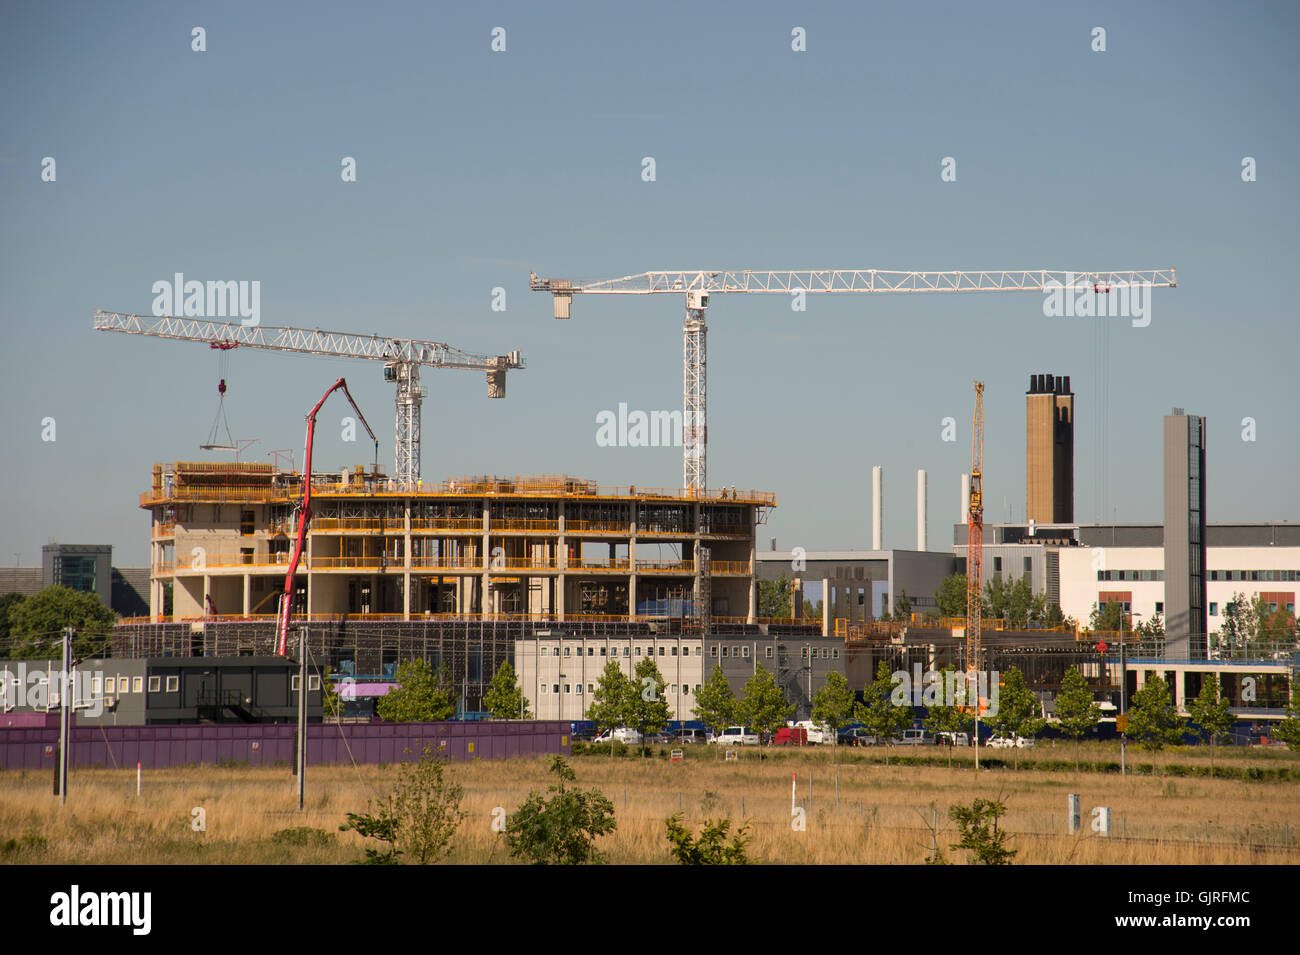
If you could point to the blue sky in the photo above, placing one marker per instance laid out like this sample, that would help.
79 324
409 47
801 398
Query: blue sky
475 166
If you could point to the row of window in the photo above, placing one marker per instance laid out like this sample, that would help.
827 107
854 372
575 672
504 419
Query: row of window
554 689
640 651
1272 606
1265 575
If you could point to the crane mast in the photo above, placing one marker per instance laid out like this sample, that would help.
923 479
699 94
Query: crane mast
975 538
697 285
402 357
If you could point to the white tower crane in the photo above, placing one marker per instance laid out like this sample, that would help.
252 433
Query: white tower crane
402 358
698 285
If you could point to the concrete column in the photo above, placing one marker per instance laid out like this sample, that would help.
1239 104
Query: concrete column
796 601
561 561
406 560
965 498
877 507
827 626
920 511
485 582
248 594
631 559
752 616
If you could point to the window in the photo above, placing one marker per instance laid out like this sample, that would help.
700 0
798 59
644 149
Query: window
591 651
97 683
173 684
744 652
673 689
313 682
724 651
566 651
591 688
543 689
602 651
579 690
686 651
568 688
293 683
625 651
137 684
697 689
835 654
675 649
1029 566
1214 608
997 565
543 651
110 686
769 653
803 652
713 651
661 651
555 688
1160 607
686 689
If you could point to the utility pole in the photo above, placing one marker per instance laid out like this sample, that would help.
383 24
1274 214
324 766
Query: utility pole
301 763
61 783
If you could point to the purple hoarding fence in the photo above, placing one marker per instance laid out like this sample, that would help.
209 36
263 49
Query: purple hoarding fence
266 744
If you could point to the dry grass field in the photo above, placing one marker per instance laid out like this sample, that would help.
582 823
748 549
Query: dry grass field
859 810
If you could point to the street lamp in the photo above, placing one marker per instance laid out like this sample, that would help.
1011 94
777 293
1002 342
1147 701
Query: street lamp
1123 691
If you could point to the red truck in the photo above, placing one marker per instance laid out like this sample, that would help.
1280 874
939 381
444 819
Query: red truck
790 736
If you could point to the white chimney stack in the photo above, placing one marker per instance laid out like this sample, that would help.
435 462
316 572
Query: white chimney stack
877 507
920 511
965 498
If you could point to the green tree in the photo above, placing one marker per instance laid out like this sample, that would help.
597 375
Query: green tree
418 818
878 712
648 708
1018 711
610 705
331 705
1288 730
1243 623
1210 711
763 706
715 704
420 695
902 607
1107 617
7 603
1010 601
1152 718
712 847
951 596
36 623
505 697
833 705
1077 712
947 715
561 830
774 597
978 825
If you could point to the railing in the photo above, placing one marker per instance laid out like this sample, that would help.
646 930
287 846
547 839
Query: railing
598 527
600 563
525 524
665 566
447 524
505 487
524 563
164 530
356 524
369 561
729 567
447 562
662 530
198 565
726 530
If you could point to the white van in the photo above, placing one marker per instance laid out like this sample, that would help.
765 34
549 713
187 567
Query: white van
736 736
817 733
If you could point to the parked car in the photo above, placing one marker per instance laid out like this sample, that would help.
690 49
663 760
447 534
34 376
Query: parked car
619 734
693 736
736 736
910 738
790 736
1000 742
857 736
953 739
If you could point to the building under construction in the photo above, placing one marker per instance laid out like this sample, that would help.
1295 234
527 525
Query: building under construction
541 549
